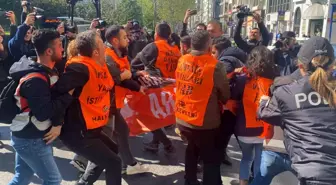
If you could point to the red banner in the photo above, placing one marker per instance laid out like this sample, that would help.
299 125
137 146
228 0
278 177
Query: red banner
154 110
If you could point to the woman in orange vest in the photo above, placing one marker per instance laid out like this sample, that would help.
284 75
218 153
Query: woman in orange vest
86 116
159 59
248 90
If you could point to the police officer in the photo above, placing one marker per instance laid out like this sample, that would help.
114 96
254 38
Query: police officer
306 111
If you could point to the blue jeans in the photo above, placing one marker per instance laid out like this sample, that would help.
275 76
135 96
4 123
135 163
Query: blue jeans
251 153
34 156
272 164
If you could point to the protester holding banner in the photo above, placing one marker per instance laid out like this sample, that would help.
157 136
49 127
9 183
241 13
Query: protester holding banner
117 61
248 90
159 59
198 110
86 116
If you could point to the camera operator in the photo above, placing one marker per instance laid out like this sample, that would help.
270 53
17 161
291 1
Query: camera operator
285 53
21 44
188 14
255 33
99 25
138 39
68 33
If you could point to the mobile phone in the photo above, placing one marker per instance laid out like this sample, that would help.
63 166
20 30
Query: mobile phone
3 13
193 12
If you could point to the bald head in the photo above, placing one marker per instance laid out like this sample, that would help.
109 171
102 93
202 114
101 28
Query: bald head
215 29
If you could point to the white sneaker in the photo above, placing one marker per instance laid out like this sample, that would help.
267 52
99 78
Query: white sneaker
138 168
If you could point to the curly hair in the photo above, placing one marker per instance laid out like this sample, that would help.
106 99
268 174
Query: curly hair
260 63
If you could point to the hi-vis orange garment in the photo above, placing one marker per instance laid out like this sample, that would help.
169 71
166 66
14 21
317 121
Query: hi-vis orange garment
254 89
95 96
167 59
120 92
194 84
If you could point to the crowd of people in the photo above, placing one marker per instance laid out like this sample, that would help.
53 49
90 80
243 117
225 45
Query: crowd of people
72 86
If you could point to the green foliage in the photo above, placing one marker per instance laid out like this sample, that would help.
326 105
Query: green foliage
127 10
173 11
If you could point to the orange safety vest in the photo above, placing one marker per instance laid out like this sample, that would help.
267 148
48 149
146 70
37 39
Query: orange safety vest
194 84
254 89
95 96
120 92
167 58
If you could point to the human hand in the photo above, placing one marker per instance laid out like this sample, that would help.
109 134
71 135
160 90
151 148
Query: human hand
186 16
141 73
257 17
30 20
263 97
24 6
54 132
125 75
239 70
94 23
142 90
11 16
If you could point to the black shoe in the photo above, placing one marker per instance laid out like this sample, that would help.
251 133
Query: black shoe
153 147
192 183
169 150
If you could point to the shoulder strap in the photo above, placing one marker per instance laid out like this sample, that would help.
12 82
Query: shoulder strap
33 75
30 76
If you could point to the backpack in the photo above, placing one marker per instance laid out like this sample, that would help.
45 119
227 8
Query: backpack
8 107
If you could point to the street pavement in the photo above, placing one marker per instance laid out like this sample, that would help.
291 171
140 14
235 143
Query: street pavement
163 170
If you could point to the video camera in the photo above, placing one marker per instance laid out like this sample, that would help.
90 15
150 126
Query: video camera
244 11
101 24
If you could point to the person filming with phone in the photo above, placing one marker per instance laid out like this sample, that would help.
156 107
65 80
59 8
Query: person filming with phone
257 36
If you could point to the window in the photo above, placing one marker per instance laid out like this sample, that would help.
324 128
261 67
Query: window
276 5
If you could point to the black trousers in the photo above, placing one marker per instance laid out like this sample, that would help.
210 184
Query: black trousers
160 137
202 144
102 153
227 127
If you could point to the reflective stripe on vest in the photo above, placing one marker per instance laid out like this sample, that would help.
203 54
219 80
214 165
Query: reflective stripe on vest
120 92
95 96
194 84
254 89
167 58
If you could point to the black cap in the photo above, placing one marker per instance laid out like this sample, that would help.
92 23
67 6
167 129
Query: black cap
288 34
313 47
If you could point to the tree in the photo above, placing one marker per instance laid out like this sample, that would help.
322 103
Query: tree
173 11
127 10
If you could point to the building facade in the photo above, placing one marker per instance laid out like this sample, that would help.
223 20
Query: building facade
278 15
304 17
313 17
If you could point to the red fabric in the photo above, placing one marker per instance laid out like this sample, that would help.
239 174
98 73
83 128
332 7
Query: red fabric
144 113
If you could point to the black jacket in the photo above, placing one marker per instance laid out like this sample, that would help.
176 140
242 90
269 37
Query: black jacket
42 103
309 128
115 72
18 47
232 58
286 61
247 46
